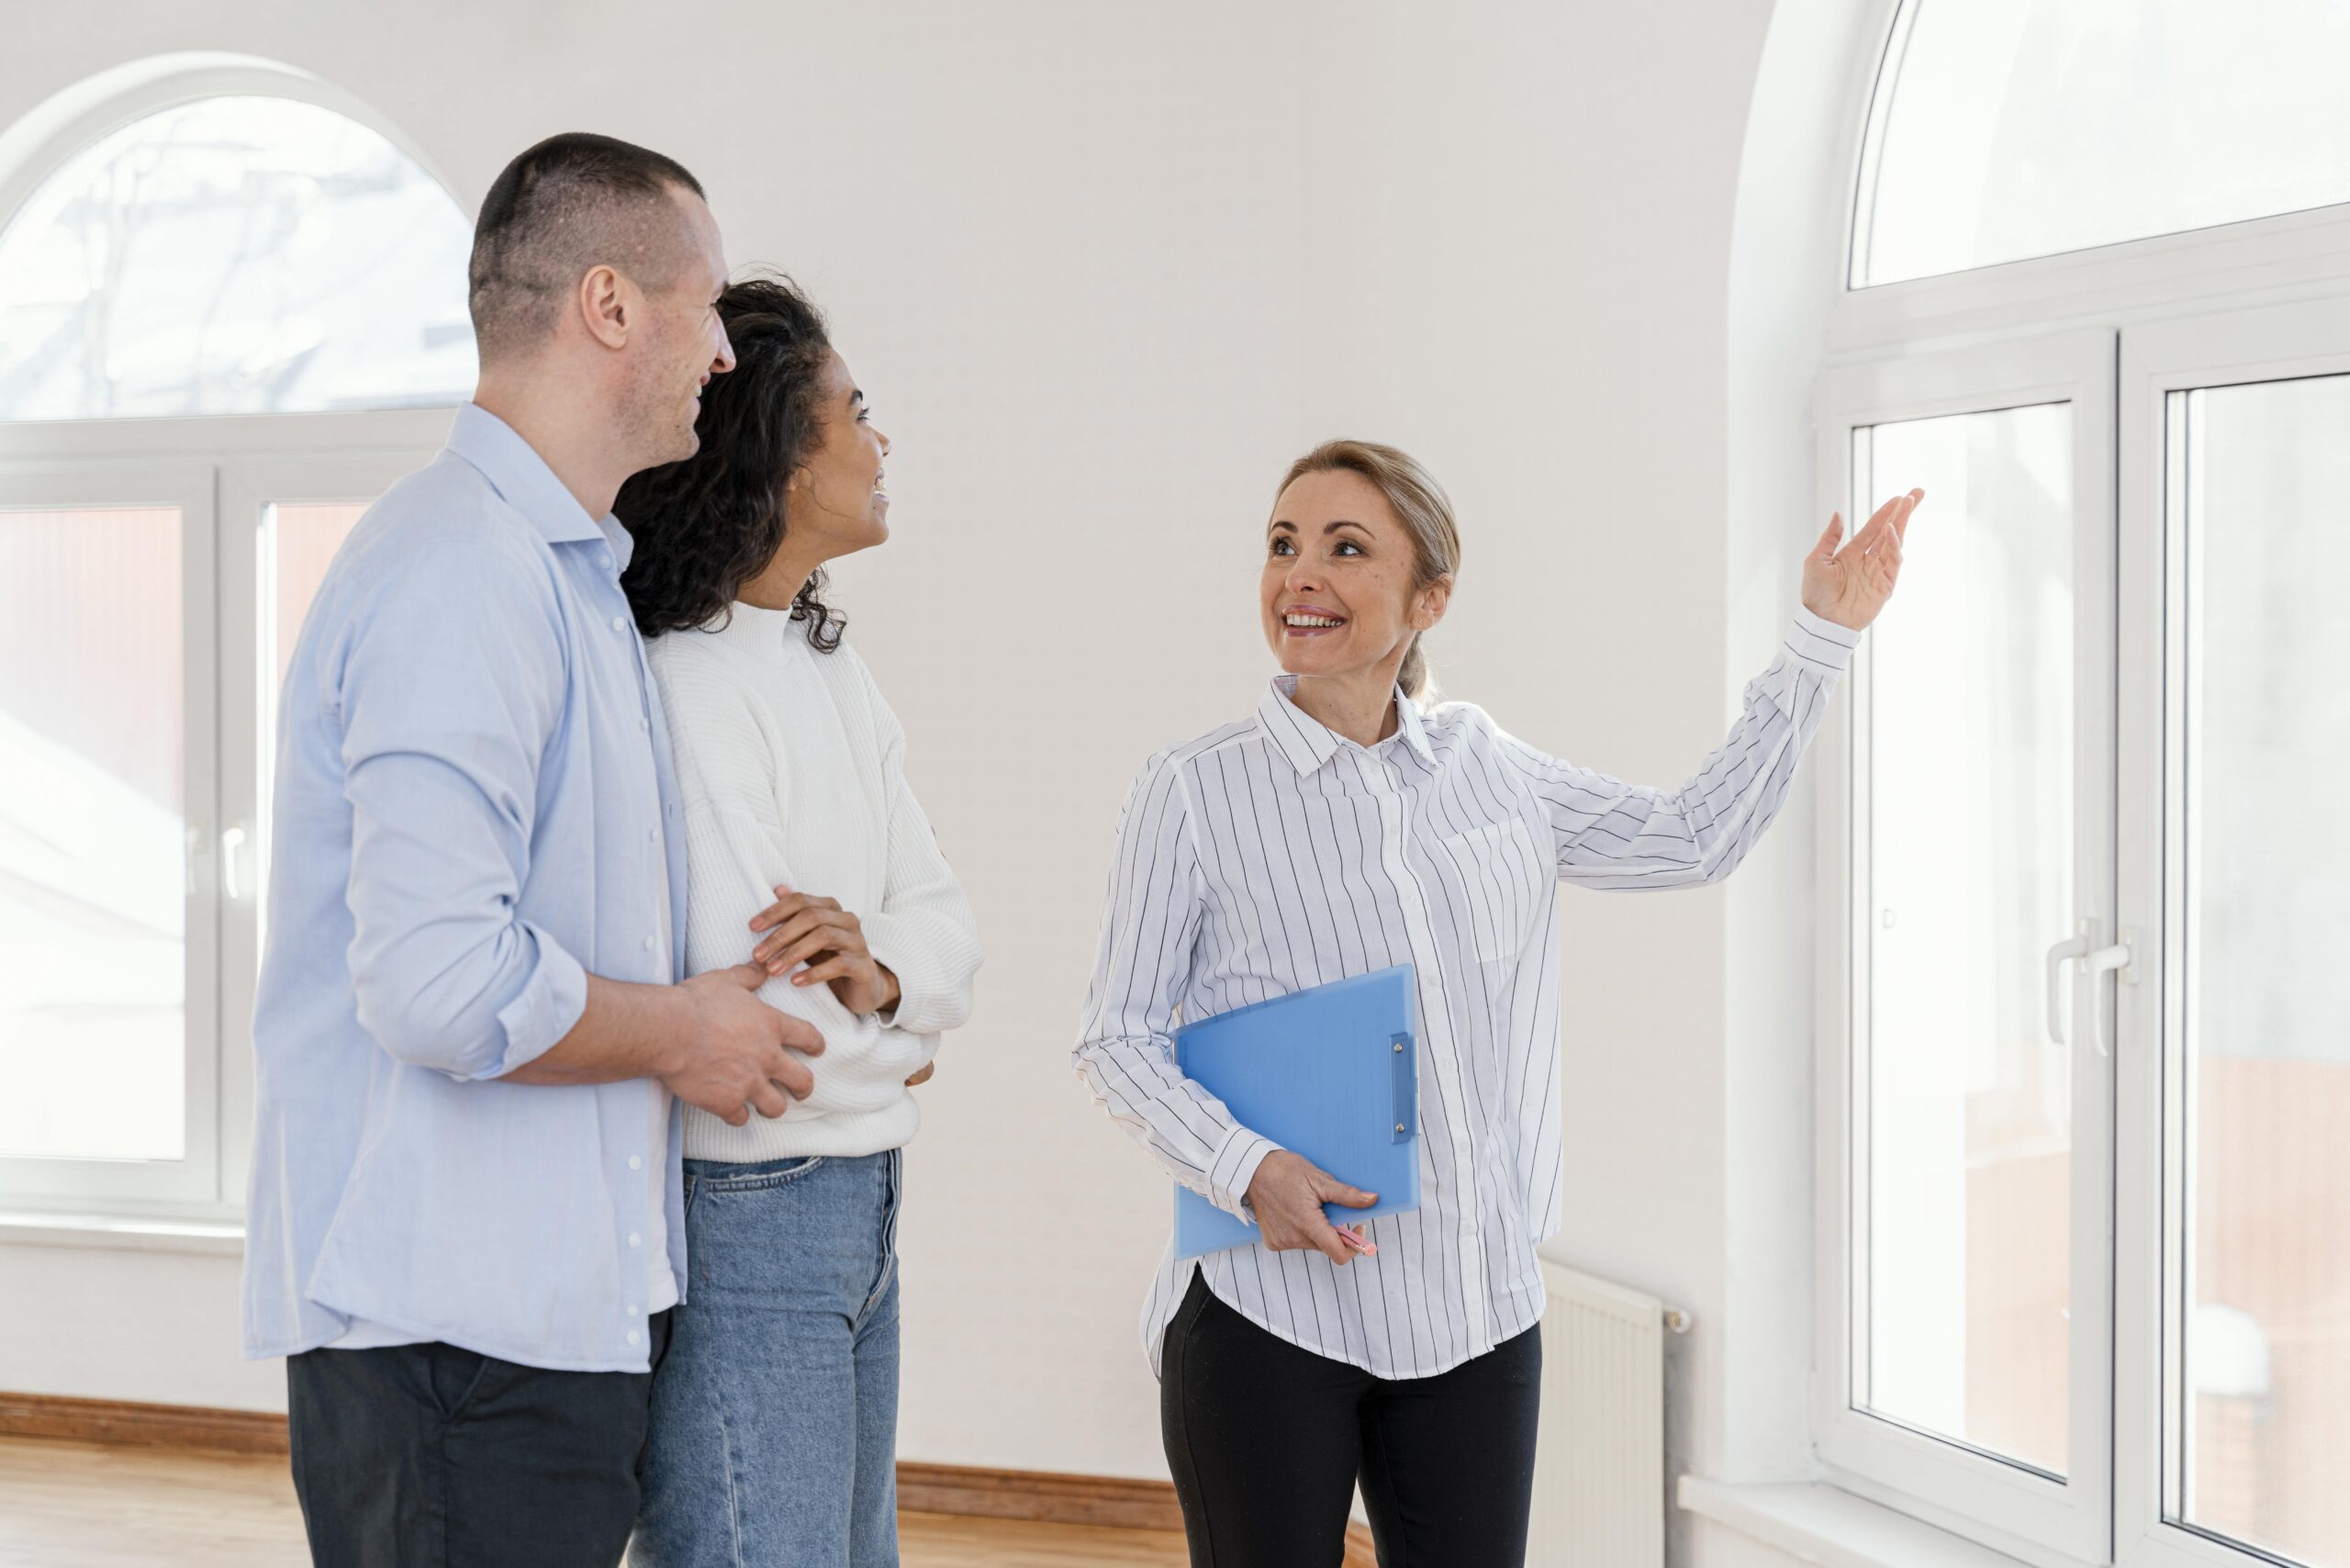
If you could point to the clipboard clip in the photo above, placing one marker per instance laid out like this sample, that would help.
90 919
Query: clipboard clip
1405 1083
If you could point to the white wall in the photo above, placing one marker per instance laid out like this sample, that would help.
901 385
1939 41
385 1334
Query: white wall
1104 270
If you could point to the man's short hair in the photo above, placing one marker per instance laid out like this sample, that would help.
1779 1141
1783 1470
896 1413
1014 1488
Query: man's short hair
573 202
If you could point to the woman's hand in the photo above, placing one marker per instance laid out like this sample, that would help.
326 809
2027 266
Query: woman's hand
1288 1193
805 929
1850 585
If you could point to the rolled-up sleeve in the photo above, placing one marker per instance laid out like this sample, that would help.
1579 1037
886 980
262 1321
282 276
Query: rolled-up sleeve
452 683
1125 1050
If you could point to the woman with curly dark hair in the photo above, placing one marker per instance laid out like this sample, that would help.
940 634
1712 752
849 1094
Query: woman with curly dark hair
775 1410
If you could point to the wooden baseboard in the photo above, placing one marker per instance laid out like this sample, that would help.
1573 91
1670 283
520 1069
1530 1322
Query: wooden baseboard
1046 1497
1041 1496
127 1425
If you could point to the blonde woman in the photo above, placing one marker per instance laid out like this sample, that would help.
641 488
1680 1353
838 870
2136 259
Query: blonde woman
1341 828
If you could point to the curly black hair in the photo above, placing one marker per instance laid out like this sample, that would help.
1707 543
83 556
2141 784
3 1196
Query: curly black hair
706 526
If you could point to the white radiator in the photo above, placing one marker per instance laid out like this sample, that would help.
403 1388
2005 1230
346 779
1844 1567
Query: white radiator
1599 1464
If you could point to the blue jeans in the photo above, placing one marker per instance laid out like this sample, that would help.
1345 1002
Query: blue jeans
774 1413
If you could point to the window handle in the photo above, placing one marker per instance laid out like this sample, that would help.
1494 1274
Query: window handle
2096 963
232 847
2058 957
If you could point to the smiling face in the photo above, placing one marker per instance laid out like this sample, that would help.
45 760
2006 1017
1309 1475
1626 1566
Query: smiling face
839 500
1340 593
685 342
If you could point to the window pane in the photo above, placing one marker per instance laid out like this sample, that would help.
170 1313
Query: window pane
297 545
2262 725
300 542
1969 853
2006 128
91 841
236 255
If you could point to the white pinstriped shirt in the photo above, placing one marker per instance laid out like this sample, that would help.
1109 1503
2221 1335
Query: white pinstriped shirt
1272 854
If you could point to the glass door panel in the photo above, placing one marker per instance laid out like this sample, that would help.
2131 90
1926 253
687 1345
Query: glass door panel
1968 805
2256 1334
93 835
1967 870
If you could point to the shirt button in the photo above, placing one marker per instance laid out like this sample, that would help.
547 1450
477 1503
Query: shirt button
648 943
634 1336
636 1162
632 1309
620 622
642 723
653 835
634 1239
608 560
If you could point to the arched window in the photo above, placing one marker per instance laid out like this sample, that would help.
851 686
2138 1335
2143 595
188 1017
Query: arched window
236 254
2089 1061
2008 128
232 310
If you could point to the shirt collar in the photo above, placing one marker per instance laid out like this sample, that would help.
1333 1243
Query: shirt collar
522 479
1308 743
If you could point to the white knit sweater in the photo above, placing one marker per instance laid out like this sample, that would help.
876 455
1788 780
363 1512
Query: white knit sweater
792 770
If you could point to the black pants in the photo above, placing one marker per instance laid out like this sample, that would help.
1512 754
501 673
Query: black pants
418 1455
1267 1441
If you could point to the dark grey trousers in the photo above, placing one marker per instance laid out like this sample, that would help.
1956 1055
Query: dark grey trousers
429 1456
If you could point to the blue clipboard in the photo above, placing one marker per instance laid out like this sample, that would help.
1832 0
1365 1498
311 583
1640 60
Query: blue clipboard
1331 1073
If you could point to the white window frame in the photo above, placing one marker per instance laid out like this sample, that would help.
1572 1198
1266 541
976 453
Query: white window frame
2242 301
1999 1502
2219 349
222 473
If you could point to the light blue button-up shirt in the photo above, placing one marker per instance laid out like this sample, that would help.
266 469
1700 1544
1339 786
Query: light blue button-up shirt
474 807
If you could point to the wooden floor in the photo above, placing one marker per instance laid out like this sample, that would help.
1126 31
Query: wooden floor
76 1505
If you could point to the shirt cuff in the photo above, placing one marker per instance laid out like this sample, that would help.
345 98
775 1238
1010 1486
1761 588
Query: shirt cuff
1821 642
552 1003
1234 1167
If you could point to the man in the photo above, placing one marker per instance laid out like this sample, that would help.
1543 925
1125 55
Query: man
465 1227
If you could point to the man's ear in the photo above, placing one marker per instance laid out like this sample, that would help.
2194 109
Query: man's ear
609 306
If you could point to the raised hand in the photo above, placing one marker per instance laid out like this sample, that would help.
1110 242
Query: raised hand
1850 585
